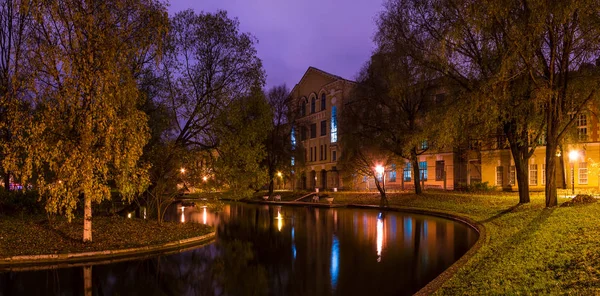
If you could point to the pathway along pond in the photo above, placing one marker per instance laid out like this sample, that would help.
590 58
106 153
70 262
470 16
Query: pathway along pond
275 250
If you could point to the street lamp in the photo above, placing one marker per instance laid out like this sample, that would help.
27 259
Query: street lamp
573 156
182 170
381 170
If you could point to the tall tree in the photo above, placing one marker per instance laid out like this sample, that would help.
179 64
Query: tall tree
241 133
475 45
88 130
208 64
15 23
279 142
390 108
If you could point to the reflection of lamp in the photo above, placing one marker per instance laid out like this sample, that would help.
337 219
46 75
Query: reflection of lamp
381 170
279 219
379 236
182 214
573 156
204 216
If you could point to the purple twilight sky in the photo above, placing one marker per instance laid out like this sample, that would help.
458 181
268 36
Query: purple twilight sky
332 35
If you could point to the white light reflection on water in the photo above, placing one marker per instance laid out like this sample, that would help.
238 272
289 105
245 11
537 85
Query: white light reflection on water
182 214
204 215
379 236
335 261
279 221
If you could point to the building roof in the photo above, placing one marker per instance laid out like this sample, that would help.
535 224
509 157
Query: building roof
314 69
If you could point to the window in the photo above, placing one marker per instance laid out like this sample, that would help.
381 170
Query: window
315 154
303 108
393 173
379 176
333 124
583 173
582 127
334 155
407 174
533 177
365 178
302 133
311 154
439 170
313 103
293 138
499 175
423 170
323 101
424 145
321 152
293 162
313 130
323 127
325 152
512 176
543 174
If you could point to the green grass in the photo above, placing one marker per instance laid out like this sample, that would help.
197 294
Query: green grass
34 235
528 249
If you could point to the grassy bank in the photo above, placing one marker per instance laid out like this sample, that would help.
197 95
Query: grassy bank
33 235
528 249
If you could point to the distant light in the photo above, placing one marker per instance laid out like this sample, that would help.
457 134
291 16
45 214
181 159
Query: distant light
204 178
182 170
279 174
573 155
379 169
129 215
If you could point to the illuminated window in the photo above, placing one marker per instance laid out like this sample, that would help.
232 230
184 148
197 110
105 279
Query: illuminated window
499 175
293 138
543 174
583 173
533 177
323 101
407 173
293 162
333 124
424 145
393 173
423 170
512 176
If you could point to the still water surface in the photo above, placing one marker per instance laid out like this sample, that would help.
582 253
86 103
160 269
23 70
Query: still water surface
275 250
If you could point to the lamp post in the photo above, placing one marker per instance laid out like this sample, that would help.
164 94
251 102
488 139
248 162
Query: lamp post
573 156
381 170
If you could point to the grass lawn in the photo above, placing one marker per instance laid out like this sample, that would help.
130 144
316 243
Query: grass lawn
528 249
33 235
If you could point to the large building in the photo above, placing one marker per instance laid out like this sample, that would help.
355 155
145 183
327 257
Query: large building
319 99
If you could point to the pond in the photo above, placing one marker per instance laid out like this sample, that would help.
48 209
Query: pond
275 250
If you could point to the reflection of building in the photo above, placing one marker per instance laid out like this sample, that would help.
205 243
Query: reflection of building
319 98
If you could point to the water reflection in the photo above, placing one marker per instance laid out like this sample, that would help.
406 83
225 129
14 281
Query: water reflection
315 252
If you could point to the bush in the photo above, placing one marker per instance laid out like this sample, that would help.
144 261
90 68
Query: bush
580 199
480 187
25 202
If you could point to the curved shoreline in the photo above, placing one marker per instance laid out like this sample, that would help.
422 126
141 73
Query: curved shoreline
97 256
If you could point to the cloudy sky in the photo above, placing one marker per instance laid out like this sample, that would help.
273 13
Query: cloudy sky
332 35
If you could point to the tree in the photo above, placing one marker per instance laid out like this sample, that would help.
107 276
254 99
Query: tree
208 64
390 108
15 23
241 133
88 132
477 46
279 142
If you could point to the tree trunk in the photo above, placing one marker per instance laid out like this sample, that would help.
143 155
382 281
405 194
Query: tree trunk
561 162
87 219
523 181
551 197
416 171
6 180
383 201
271 185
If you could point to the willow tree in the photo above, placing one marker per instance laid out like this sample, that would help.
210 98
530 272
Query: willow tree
88 132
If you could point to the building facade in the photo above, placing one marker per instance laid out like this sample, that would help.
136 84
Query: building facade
318 100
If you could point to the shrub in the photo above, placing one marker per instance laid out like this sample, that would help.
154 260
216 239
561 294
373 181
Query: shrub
480 187
22 201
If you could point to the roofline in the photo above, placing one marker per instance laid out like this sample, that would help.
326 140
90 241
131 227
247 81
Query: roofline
323 72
